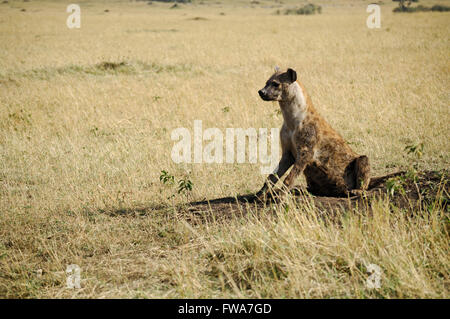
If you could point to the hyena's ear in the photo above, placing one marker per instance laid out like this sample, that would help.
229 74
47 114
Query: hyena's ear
277 68
292 75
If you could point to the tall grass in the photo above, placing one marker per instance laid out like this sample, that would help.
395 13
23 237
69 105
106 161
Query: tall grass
85 123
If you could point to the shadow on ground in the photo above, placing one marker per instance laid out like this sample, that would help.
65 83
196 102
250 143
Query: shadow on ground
405 190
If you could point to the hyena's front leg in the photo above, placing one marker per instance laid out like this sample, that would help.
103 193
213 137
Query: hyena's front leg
287 159
305 141
304 157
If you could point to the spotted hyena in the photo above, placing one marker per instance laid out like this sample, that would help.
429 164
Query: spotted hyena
311 145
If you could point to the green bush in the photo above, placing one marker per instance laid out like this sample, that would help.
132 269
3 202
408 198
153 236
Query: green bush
440 8
421 8
412 9
306 10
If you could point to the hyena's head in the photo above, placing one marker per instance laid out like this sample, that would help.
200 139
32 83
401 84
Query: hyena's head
277 86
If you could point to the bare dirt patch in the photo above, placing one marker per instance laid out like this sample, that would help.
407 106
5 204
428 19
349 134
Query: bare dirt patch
405 191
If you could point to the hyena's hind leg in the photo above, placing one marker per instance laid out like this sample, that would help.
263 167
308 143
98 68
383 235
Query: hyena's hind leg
362 172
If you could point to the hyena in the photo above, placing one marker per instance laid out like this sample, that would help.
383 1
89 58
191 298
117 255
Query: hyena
311 145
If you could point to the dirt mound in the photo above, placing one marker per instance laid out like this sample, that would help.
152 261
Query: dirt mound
406 190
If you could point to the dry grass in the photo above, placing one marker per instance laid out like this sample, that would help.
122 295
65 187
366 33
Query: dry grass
79 139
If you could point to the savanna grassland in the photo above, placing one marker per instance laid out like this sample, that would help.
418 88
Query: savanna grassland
86 117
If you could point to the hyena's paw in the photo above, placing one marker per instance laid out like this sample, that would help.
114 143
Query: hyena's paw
357 192
270 195
298 190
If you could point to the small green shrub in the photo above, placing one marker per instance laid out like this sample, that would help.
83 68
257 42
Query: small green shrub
415 149
185 185
166 178
395 185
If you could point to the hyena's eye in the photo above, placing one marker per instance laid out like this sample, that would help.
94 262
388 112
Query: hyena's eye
275 84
